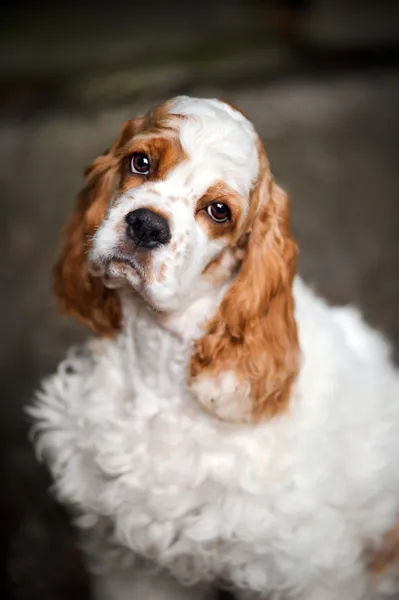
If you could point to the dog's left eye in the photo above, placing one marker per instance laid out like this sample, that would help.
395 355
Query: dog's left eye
140 163
219 212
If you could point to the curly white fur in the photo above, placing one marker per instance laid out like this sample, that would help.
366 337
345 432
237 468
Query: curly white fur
286 506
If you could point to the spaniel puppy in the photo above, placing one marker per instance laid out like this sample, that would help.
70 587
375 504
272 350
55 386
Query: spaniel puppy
225 425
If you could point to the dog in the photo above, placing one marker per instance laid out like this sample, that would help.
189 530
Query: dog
225 425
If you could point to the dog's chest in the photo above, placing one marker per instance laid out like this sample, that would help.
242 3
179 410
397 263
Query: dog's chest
178 487
255 504
127 443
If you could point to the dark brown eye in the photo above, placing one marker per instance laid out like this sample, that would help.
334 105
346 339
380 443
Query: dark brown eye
219 212
140 163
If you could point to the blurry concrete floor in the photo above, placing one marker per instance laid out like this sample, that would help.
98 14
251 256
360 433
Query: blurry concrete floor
332 142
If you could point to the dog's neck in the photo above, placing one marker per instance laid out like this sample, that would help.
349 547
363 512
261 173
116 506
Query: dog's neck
157 347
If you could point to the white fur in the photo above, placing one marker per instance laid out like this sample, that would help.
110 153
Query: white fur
219 146
132 584
282 509
233 398
283 505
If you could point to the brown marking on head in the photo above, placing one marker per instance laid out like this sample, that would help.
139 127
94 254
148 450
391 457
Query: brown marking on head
159 116
158 137
164 151
254 331
220 192
79 293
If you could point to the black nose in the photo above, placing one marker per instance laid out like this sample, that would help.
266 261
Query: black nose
147 229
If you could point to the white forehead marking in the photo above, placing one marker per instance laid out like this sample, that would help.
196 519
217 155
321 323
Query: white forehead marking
219 142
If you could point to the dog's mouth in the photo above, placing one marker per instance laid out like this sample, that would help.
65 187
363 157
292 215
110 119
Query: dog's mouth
127 262
119 269
122 266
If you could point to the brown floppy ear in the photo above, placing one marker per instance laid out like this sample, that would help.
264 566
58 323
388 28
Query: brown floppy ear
244 366
78 292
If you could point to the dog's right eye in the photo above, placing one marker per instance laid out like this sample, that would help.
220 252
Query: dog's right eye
219 212
140 163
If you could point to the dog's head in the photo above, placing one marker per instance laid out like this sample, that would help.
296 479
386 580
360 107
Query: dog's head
184 199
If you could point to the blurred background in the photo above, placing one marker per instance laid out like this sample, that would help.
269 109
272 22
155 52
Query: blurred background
319 78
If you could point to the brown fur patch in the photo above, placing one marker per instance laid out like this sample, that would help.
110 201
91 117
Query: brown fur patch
254 331
164 151
384 557
78 292
220 192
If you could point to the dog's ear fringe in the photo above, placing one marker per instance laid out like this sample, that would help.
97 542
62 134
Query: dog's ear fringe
79 294
254 333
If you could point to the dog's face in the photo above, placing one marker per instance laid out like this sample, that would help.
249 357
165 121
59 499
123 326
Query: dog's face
182 202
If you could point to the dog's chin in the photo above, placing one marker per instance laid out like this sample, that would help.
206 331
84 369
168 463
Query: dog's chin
118 272
124 276
122 273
